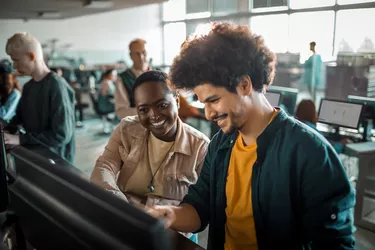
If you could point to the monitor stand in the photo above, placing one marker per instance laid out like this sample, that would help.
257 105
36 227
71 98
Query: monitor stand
367 129
336 133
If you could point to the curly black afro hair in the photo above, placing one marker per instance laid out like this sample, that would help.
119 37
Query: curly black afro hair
222 57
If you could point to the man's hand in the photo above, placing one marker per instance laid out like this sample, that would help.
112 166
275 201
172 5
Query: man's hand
11 139
165 213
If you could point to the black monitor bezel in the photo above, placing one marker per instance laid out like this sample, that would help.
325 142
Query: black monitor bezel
333 124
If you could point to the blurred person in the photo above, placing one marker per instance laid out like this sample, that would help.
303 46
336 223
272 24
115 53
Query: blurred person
58 71
313 71
46 107
306 113
124 102
268 181
188 111
107 91
10 93
153 157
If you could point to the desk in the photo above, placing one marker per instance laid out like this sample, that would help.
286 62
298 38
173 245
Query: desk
364 214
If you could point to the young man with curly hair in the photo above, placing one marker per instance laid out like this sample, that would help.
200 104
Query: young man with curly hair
268 181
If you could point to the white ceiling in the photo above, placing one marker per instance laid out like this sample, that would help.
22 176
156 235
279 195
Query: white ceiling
60 9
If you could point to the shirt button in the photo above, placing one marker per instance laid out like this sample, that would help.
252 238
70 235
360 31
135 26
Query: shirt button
333 216
169 178
231 141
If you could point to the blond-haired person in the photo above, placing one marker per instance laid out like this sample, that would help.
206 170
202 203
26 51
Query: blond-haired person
46 108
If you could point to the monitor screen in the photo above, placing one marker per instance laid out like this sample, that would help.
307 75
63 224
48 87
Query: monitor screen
343 114
273 98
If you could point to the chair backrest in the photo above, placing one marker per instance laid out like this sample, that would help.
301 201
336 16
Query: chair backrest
95 103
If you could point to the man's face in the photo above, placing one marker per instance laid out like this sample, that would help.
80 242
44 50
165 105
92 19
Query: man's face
222 107
138 54
22 62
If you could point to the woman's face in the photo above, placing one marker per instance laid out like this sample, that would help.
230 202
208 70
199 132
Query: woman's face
157 110
113 76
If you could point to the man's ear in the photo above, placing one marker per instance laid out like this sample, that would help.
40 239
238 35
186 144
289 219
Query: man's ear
32 56
245 87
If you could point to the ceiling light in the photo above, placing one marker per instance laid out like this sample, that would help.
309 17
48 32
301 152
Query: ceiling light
49 14
95 4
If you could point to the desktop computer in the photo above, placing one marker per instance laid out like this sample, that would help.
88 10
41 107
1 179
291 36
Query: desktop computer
368 113
339 114
287 99
52 207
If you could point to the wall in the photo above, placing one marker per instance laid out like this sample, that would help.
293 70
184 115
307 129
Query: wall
99 38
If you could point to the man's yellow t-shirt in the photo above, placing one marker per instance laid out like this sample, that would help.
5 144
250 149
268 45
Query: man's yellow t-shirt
240 227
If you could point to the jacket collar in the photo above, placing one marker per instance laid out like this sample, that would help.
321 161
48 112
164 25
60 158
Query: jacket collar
182 143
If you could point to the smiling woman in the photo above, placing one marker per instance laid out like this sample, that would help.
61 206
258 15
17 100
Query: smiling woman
156 105
152 158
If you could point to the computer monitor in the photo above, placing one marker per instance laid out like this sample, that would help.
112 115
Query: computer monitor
368 105
4 199
57 208
340 113
288 97
273 98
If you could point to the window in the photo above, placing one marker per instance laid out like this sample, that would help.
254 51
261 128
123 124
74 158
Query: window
343 2
353 32
311 26
274 29
174 10
268 3
225 6
301 4
196 6
174 36
193 26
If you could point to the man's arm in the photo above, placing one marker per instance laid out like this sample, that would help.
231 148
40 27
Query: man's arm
122 103
62 119
327 200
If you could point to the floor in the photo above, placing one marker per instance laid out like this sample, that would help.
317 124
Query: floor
91 142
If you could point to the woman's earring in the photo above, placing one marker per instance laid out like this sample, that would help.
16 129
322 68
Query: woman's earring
178 100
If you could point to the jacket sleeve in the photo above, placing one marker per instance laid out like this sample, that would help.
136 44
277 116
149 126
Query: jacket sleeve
10 107
62 119
327 200
108 165
199 193
122 103
17 119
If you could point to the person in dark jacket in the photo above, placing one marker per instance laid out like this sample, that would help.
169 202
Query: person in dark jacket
268 181
46 108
